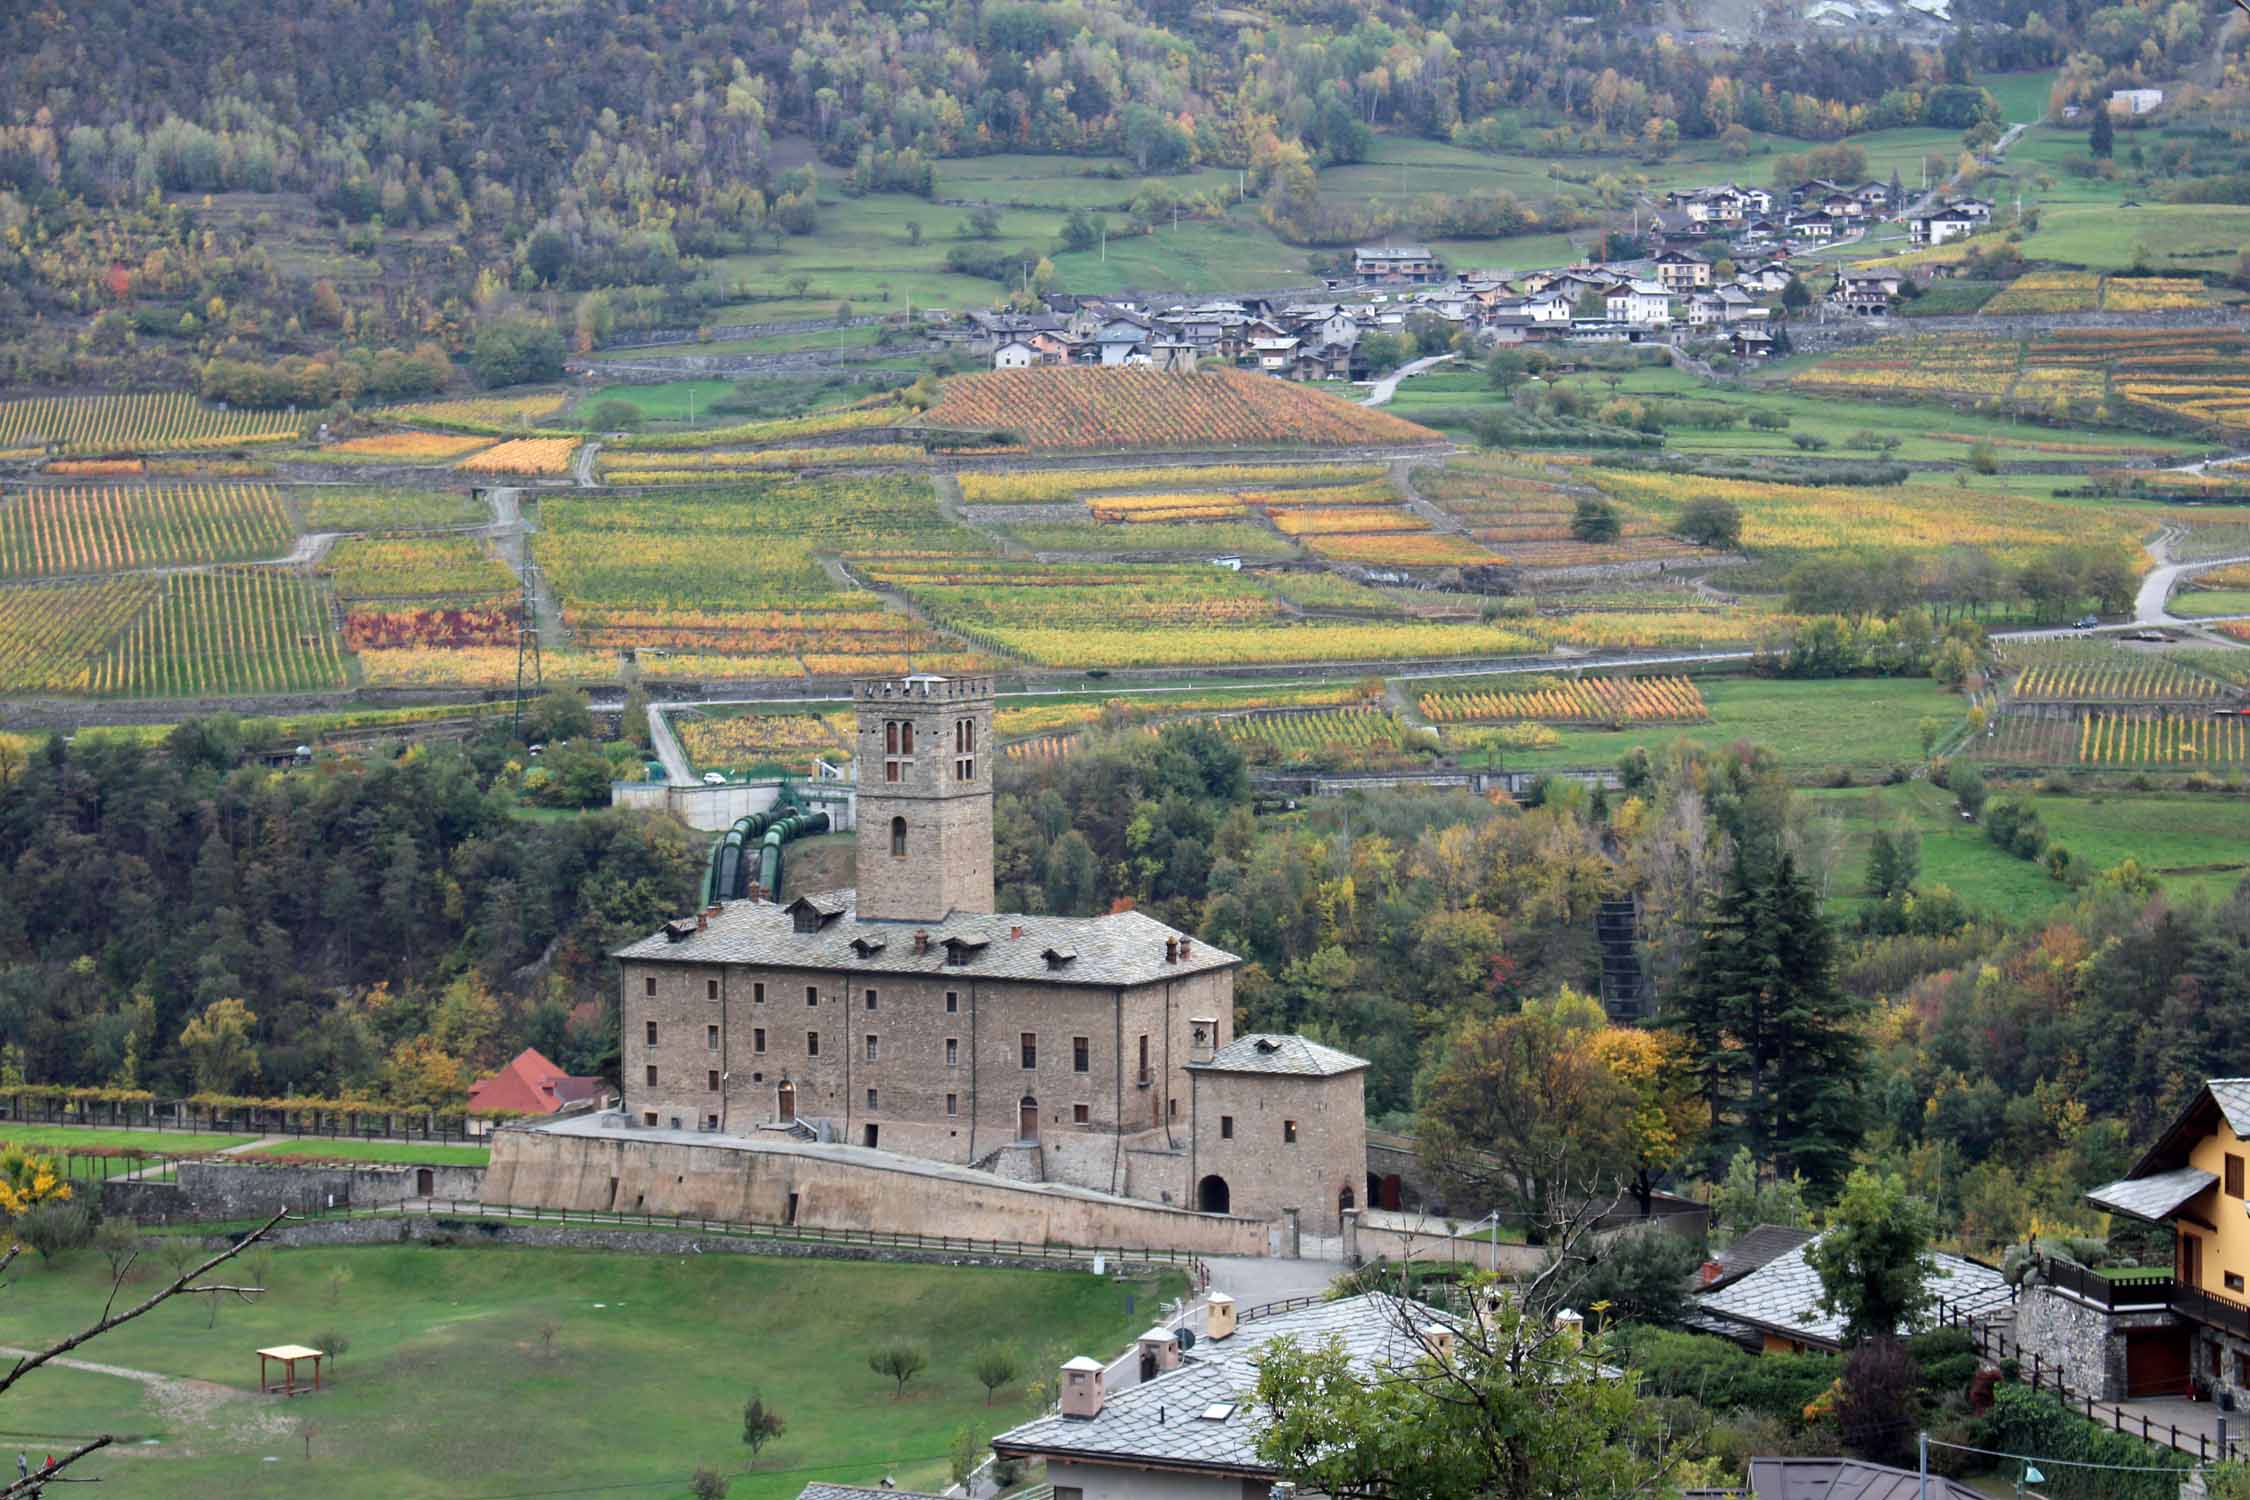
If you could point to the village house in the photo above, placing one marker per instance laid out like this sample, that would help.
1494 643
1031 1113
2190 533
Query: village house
1015 354
1940 227
1680 272
1855 295
2171 1331
1775 1308
2135 101
1403 265
530 1085
907 1016
1816 225
1643 303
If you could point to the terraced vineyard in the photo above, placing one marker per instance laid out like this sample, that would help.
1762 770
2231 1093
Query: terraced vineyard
484 414
791 741
98 529
1337 736
1522 511
424 567
169 422
230 630
1585 700
54 636
1061 407
729 580
2125 737
1059 486
2121 681
531 455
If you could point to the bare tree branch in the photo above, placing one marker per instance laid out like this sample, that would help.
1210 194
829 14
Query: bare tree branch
185 1284
31 1484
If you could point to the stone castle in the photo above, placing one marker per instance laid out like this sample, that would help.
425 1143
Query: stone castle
907 1019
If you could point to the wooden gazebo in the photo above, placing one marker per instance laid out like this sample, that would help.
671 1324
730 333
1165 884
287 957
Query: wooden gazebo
288 1355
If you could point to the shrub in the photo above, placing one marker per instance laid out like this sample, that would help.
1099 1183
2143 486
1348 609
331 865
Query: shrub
55 1227
1722 1375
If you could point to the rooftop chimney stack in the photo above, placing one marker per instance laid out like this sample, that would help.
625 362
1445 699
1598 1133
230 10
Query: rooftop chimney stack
1082 1388
1187 947
1203 1042
1160 1347
921 942
1572 1327
1219 1323
1171 950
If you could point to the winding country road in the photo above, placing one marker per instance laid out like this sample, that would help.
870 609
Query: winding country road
1387 387
2156 589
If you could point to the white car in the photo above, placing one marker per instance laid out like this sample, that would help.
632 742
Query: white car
713 778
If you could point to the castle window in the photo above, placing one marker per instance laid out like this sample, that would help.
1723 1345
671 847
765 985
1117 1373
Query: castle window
713 1084
710 989
964 750
648 986
1078 1054
812 1044
898 748
952 1002
870 999
758 1039
758 993
812 994
710 1038
652 1075
652 1033
952 1104
871 1099
1081 1114
898 838
1226 1127
953 1052
872 1049
1030 1041
1289 1132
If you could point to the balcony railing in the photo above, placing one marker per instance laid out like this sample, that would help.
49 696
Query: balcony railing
2142 1289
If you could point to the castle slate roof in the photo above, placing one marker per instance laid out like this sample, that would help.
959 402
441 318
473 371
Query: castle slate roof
1783 1296
1201 1415
1265 1052
1121 948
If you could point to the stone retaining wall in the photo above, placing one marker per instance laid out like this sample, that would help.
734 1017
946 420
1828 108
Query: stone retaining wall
238 1189
443 1229
2085 1344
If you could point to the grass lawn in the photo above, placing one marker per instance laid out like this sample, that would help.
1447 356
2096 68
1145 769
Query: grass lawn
2179 832
673 401
411 1153
2103 236
88 1138
448 1388
2211 602
1857 722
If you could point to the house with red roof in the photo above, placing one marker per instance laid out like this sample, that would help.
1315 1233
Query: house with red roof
530 1085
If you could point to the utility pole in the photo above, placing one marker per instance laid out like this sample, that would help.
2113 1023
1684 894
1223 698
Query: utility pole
527 635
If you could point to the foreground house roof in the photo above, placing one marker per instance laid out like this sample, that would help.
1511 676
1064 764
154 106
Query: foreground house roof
2162 1182
1199 1417
1783 1296
1835 1479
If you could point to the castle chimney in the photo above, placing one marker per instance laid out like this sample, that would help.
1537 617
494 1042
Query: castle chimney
1082 1388
1171 950
1219 1323
921 942
1015 932
1187 946
1203 1038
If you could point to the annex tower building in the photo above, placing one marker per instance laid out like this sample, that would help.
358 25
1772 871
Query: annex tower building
907 1017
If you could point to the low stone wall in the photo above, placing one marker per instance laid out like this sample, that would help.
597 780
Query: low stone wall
444 1229
1432 1240
836 1187
240 1189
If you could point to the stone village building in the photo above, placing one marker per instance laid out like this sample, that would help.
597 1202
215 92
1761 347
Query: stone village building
909 1017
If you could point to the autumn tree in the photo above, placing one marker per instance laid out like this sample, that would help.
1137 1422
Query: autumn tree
761 1424
1666 1119
1524 1110
219 1048
1874 1259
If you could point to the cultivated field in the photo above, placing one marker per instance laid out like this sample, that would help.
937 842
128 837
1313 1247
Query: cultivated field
230 630
1091 409
106 528
171 422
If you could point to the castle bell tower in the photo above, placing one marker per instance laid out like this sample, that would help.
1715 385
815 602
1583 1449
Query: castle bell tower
925 797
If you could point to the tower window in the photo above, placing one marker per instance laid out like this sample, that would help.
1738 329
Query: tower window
964 750
652 1033
812 1044
1078 1054
873 1050
1030 1044
898 748
898 838
953 1052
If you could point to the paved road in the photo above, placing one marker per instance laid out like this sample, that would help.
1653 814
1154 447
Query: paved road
1387 387
667 745
583 469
